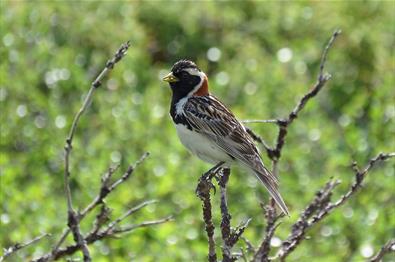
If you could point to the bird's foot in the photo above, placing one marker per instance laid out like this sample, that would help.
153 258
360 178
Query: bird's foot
205 181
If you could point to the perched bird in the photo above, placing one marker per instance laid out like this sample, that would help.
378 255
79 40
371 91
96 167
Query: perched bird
209 130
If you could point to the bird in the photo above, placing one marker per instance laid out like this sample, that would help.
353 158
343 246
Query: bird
209 130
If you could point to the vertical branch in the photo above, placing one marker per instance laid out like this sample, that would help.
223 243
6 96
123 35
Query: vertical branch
73 218
229 236
203 192
264 249
225 223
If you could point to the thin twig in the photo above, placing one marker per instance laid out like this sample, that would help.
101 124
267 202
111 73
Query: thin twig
144 224
74 225
237 232
275 153
273 121
250 246
360 176
18 246
388 247
130 212
263 251
105 182
101 218
259 140
128 172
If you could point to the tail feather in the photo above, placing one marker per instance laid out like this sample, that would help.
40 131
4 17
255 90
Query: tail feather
271 187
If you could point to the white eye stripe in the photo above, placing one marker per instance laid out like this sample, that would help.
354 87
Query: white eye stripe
194 72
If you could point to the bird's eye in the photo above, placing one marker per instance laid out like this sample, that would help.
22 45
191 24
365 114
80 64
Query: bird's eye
184 74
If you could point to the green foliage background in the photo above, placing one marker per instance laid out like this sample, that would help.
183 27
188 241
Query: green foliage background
51 51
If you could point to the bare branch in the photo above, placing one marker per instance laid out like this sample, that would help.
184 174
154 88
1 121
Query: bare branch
95 236
101 218
128 172
264 249
74 225
321 81
229 236
273 121
226 217
359 177
130 212
18 246
144 224
73 218
259 140
203 192
388 247
105 189
250 247
81 242
275 153
237 232
321 206
112 230
284 123
298 231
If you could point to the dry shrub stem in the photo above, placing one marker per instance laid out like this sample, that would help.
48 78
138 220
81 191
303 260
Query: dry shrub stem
274 154
73 218
225 223
203 192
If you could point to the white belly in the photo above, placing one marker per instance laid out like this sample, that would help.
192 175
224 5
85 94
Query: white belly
201 146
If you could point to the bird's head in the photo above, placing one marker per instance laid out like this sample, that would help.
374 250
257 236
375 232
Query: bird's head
186 79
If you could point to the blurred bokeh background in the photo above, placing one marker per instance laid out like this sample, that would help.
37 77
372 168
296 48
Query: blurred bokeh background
261 57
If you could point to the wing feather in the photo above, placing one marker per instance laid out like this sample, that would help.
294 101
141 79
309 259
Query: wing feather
211 118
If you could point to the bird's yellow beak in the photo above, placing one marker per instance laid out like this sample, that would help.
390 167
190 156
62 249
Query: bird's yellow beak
170 78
